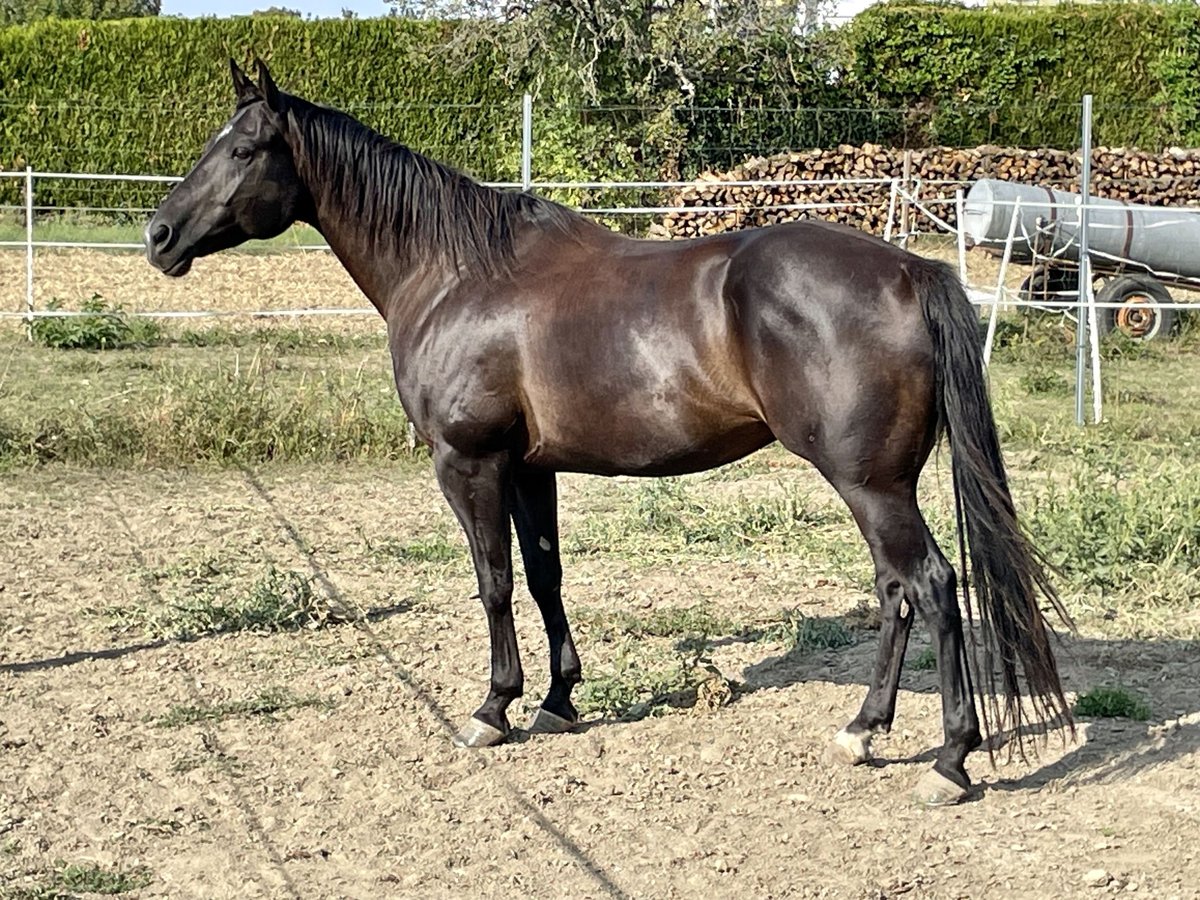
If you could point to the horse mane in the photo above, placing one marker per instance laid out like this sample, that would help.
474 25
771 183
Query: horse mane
424 209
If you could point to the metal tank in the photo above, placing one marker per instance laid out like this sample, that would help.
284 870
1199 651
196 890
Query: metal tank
1165 240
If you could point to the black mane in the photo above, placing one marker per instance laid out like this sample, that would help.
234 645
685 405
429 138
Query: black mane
425 209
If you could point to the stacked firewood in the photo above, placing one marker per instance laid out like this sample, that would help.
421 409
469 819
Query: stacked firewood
852 185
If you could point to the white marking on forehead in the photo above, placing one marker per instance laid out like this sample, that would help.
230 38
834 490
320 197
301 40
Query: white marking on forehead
229 125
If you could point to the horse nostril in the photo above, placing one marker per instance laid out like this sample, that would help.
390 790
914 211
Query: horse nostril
161 235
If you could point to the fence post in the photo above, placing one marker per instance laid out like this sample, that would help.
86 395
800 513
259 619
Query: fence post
1085 275
905 208
526 142
960 218
29 252
1008 245
887 228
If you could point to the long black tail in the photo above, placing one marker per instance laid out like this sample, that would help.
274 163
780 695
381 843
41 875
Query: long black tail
1009 573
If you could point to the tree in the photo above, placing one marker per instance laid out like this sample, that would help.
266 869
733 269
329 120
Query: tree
15 12
279 11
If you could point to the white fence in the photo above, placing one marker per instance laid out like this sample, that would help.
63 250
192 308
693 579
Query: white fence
912 212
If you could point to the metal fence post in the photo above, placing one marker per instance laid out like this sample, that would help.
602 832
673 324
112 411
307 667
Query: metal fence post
526 142
1085 274
29 252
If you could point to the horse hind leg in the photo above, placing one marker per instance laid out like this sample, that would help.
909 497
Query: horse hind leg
535 515
911 567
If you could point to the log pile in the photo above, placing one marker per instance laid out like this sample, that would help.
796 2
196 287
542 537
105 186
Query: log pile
842 190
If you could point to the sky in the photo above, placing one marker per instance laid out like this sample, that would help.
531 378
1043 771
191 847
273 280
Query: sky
364 8
314 8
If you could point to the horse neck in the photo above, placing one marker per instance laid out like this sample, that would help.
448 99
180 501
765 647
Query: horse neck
396 286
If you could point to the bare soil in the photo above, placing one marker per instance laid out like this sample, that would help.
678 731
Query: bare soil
363 795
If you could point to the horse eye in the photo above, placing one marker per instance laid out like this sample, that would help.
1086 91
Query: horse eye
242 152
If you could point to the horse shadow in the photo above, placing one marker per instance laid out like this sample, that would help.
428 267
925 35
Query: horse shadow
1165 673
74 657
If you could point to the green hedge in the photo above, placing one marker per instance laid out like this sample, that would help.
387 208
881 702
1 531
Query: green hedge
1014 75
143 95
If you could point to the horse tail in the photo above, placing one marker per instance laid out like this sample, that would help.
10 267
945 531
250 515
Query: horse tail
1009 573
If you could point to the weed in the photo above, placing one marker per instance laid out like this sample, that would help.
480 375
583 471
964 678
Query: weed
1044 381
266 703
925 661
800 632
103 326
631 690
667 622
88 878
435 548
279 600
1112 703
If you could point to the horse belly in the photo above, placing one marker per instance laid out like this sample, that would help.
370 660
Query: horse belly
614 439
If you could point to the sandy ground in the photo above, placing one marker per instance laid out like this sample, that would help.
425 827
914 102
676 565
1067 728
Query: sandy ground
363 796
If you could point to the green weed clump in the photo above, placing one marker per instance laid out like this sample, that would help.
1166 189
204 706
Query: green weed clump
800 632
101 326
1112 703
69 879
279 600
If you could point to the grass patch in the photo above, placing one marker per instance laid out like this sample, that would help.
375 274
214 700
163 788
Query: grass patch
1112 703
268 703
278 600
67 879
180 407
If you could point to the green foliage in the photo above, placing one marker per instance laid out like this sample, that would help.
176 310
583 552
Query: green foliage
103 326
143 96
623 90
1107 530
15 12
1014 75
1112 703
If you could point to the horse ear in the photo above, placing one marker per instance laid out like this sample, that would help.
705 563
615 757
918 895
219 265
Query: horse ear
266 85
243 87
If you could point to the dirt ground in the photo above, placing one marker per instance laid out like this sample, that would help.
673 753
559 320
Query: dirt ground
362 795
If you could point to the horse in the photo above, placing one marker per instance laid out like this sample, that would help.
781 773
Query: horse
528 340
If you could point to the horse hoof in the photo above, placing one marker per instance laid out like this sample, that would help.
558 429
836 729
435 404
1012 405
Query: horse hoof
848 749
478 733
546 722
935 789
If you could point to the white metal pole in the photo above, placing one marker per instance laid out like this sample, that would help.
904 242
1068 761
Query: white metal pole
960 210
1008 245
1086 302
526 142
29 251
887 228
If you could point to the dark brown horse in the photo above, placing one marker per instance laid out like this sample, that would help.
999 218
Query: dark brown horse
528 340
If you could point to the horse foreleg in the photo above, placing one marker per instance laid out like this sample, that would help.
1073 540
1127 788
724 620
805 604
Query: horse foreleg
477 489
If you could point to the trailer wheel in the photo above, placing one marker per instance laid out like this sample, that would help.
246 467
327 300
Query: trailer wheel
1146 313
1049 283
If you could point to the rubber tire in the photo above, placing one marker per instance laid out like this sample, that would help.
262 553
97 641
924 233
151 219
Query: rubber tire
1049 283
1153 296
